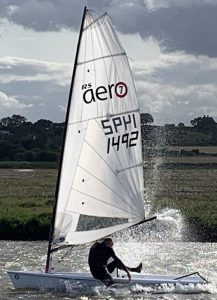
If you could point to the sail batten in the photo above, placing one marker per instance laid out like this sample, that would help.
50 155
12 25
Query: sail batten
132 211
101 183
130 167
102 57
108 115
94 21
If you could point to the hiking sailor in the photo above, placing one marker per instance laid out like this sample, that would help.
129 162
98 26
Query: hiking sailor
100 268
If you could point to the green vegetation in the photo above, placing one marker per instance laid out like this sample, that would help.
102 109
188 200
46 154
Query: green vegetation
202 133
180 165
21 140
26 199
28 165
191 191
26 141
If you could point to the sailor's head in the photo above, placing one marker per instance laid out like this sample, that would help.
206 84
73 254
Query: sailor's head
108 242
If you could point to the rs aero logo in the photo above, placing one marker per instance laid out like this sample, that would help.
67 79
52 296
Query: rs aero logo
103 93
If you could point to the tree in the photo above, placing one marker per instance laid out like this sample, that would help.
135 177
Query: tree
18 120
181 125
13 122
43 124
196 121
6 122
146 118
205 122
6 150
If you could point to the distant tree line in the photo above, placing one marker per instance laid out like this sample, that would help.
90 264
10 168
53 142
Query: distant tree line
21 140
202 132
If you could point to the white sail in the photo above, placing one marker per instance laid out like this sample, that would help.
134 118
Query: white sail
101 183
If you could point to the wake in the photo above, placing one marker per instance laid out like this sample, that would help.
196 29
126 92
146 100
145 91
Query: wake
168 226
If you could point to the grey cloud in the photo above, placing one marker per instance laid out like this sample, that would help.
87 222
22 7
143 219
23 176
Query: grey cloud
170 90
177 25
191 29
30 70
40 15
177 88
172 104
38 89
155 4
180 69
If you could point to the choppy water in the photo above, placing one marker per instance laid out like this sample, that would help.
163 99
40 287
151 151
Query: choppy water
161 248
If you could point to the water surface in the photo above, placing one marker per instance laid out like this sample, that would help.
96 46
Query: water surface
162 251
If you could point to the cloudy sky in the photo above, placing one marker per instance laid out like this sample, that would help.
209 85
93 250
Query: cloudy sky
172 46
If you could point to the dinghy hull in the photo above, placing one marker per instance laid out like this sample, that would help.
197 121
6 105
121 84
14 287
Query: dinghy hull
64 281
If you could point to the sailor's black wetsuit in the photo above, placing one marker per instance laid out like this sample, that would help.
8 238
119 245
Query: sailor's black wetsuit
98 262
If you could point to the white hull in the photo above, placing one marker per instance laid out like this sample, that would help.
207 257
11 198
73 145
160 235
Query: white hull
64 281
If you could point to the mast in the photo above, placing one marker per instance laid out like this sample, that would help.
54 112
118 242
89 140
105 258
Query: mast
49 250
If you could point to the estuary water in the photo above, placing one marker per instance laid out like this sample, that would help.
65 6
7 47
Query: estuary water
161 247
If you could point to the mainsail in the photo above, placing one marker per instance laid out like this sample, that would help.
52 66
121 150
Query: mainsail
101 181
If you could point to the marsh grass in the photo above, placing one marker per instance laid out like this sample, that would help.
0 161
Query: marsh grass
192 191
202 149
28 165
26 199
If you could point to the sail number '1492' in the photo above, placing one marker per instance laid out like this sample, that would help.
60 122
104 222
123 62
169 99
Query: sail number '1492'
112 128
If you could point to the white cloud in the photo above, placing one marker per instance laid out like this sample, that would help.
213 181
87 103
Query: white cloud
34 82
177 87
62 108
188 25
30 70
156 4
172 87
9 105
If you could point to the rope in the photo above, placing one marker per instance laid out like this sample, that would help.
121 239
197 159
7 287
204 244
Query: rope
188 275
65 254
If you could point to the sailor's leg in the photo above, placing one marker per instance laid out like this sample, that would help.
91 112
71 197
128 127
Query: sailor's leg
107 280
112 266
137 269
102 274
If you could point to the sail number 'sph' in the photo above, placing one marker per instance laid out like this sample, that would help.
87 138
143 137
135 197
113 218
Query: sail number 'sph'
121 131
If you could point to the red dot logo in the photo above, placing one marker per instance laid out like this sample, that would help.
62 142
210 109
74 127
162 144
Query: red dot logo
121 89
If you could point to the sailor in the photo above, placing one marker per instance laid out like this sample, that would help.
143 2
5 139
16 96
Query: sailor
100 268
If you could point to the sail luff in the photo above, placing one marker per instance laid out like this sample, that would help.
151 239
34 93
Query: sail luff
49 251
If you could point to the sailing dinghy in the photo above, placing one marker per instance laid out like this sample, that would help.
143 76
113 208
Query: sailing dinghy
100 180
